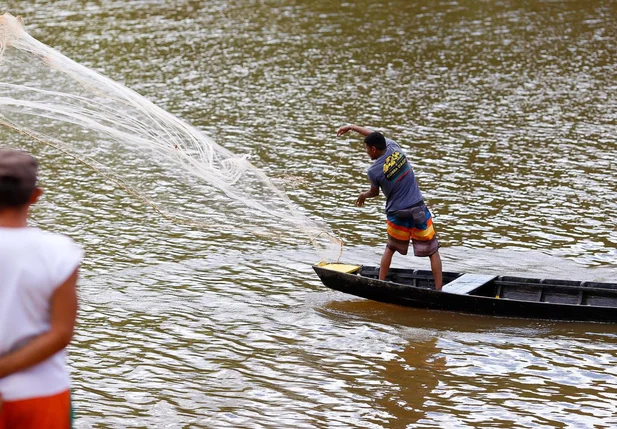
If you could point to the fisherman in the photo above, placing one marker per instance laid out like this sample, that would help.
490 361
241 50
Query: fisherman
38 305
408 218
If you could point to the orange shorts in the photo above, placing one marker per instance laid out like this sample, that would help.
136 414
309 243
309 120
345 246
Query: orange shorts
49 412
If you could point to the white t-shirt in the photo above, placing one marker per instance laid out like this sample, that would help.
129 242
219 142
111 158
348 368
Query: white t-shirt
33 264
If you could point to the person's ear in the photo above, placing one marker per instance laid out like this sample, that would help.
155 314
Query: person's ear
36 194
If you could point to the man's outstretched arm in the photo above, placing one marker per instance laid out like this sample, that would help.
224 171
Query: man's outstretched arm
362 130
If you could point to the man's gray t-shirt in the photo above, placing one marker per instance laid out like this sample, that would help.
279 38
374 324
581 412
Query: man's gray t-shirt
393 174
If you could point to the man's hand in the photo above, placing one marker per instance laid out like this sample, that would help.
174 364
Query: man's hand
373 192
344 130
361 199
361 130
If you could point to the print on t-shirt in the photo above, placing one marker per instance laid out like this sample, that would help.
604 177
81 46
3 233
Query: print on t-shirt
395 166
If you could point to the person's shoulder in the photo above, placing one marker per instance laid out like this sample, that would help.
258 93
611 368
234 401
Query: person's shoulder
375 170
373 167
391 143
41 234
54 242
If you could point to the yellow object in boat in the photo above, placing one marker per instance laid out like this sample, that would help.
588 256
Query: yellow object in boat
343 268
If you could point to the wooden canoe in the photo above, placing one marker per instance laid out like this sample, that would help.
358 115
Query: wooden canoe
478 294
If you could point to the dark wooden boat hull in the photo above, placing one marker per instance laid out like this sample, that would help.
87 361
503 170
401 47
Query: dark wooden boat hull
505 296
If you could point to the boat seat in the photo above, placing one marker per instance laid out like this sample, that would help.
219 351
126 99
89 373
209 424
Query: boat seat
467 283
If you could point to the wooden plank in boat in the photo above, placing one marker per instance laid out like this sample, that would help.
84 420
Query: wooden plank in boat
467 283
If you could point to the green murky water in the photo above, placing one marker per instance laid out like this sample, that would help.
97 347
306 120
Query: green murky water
509 114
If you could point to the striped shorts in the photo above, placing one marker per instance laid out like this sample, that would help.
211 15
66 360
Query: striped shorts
403 227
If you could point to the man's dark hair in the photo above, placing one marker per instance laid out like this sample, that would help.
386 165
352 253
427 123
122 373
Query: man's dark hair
18 176
13 193
376 139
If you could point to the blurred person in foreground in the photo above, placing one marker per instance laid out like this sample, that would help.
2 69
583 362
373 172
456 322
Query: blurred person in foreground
38 305
408 218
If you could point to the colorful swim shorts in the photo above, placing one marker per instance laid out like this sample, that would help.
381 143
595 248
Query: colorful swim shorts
415 224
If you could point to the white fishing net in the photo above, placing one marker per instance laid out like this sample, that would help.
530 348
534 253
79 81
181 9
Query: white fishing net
141 147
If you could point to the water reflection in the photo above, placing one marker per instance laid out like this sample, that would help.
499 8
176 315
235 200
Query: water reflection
409 372
449 368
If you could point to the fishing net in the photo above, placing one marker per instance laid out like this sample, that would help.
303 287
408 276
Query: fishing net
142 148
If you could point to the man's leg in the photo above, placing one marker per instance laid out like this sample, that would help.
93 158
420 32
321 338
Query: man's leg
386 260
436 269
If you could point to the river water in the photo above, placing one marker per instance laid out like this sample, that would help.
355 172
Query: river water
508 110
